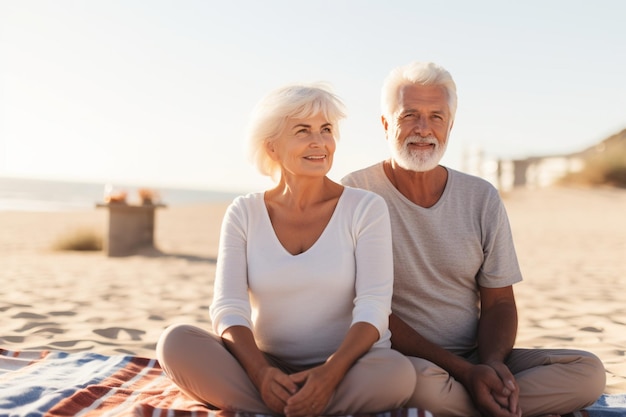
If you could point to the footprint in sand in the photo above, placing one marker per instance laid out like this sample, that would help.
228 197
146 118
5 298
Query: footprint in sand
62 313
591 329
6 307
26 315
117 332
49 330
36 324
12 339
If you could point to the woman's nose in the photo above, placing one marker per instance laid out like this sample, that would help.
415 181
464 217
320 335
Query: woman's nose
316 139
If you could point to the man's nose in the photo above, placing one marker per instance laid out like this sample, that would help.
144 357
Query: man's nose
422 127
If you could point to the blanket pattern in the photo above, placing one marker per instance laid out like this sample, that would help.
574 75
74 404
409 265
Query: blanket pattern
60 384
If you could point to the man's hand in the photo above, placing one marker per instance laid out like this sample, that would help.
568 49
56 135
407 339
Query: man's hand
494 391
493 387
508 380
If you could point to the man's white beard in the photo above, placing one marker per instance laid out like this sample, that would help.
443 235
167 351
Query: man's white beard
417 160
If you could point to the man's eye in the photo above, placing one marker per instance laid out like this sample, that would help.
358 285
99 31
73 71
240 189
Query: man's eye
327 130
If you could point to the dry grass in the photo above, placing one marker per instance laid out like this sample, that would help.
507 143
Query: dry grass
606 165
80 239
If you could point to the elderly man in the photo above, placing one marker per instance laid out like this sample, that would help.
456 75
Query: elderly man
454 311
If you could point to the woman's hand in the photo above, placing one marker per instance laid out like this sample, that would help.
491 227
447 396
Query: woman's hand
274 385
317 387
318 384
275 388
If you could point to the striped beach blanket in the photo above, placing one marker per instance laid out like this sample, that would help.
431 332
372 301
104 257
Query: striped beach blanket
606 406
55 384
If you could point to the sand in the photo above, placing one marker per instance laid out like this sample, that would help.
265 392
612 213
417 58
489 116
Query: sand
571 245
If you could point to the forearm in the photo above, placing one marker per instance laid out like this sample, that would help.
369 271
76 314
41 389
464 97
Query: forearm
497 331
359 339
239 340
410 343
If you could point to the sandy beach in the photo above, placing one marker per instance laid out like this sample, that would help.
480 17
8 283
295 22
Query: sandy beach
571 244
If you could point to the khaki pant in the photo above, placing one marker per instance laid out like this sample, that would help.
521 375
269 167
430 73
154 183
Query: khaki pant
550 380
200 365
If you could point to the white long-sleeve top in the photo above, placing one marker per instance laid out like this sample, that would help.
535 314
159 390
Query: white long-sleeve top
300 307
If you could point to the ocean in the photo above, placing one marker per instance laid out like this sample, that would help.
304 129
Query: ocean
21 194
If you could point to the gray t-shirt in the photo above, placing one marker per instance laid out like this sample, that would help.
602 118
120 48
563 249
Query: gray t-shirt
442 254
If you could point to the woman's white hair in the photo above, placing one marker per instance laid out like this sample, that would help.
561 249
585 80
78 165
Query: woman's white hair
420 73
292 101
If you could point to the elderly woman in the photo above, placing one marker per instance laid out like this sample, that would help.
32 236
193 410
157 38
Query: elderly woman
303 283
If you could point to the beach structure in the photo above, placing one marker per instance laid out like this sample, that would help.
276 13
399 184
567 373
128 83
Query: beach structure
130 227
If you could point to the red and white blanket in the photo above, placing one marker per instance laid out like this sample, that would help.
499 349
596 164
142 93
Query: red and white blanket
46 383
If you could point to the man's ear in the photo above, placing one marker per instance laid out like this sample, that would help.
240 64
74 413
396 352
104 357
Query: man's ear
385 123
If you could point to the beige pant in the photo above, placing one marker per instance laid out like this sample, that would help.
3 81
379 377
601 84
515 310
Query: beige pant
550 380
200 365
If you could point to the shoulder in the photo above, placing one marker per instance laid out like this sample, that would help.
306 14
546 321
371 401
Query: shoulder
360 196
362 177
471 185
247 199
244 204
363 205
476 195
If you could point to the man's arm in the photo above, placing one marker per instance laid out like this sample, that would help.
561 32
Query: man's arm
497 327
482 382
409 342
497 330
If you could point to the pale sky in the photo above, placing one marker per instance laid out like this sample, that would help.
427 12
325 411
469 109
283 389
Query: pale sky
155 92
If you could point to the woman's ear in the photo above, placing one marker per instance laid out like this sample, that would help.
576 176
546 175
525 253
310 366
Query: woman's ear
271 151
